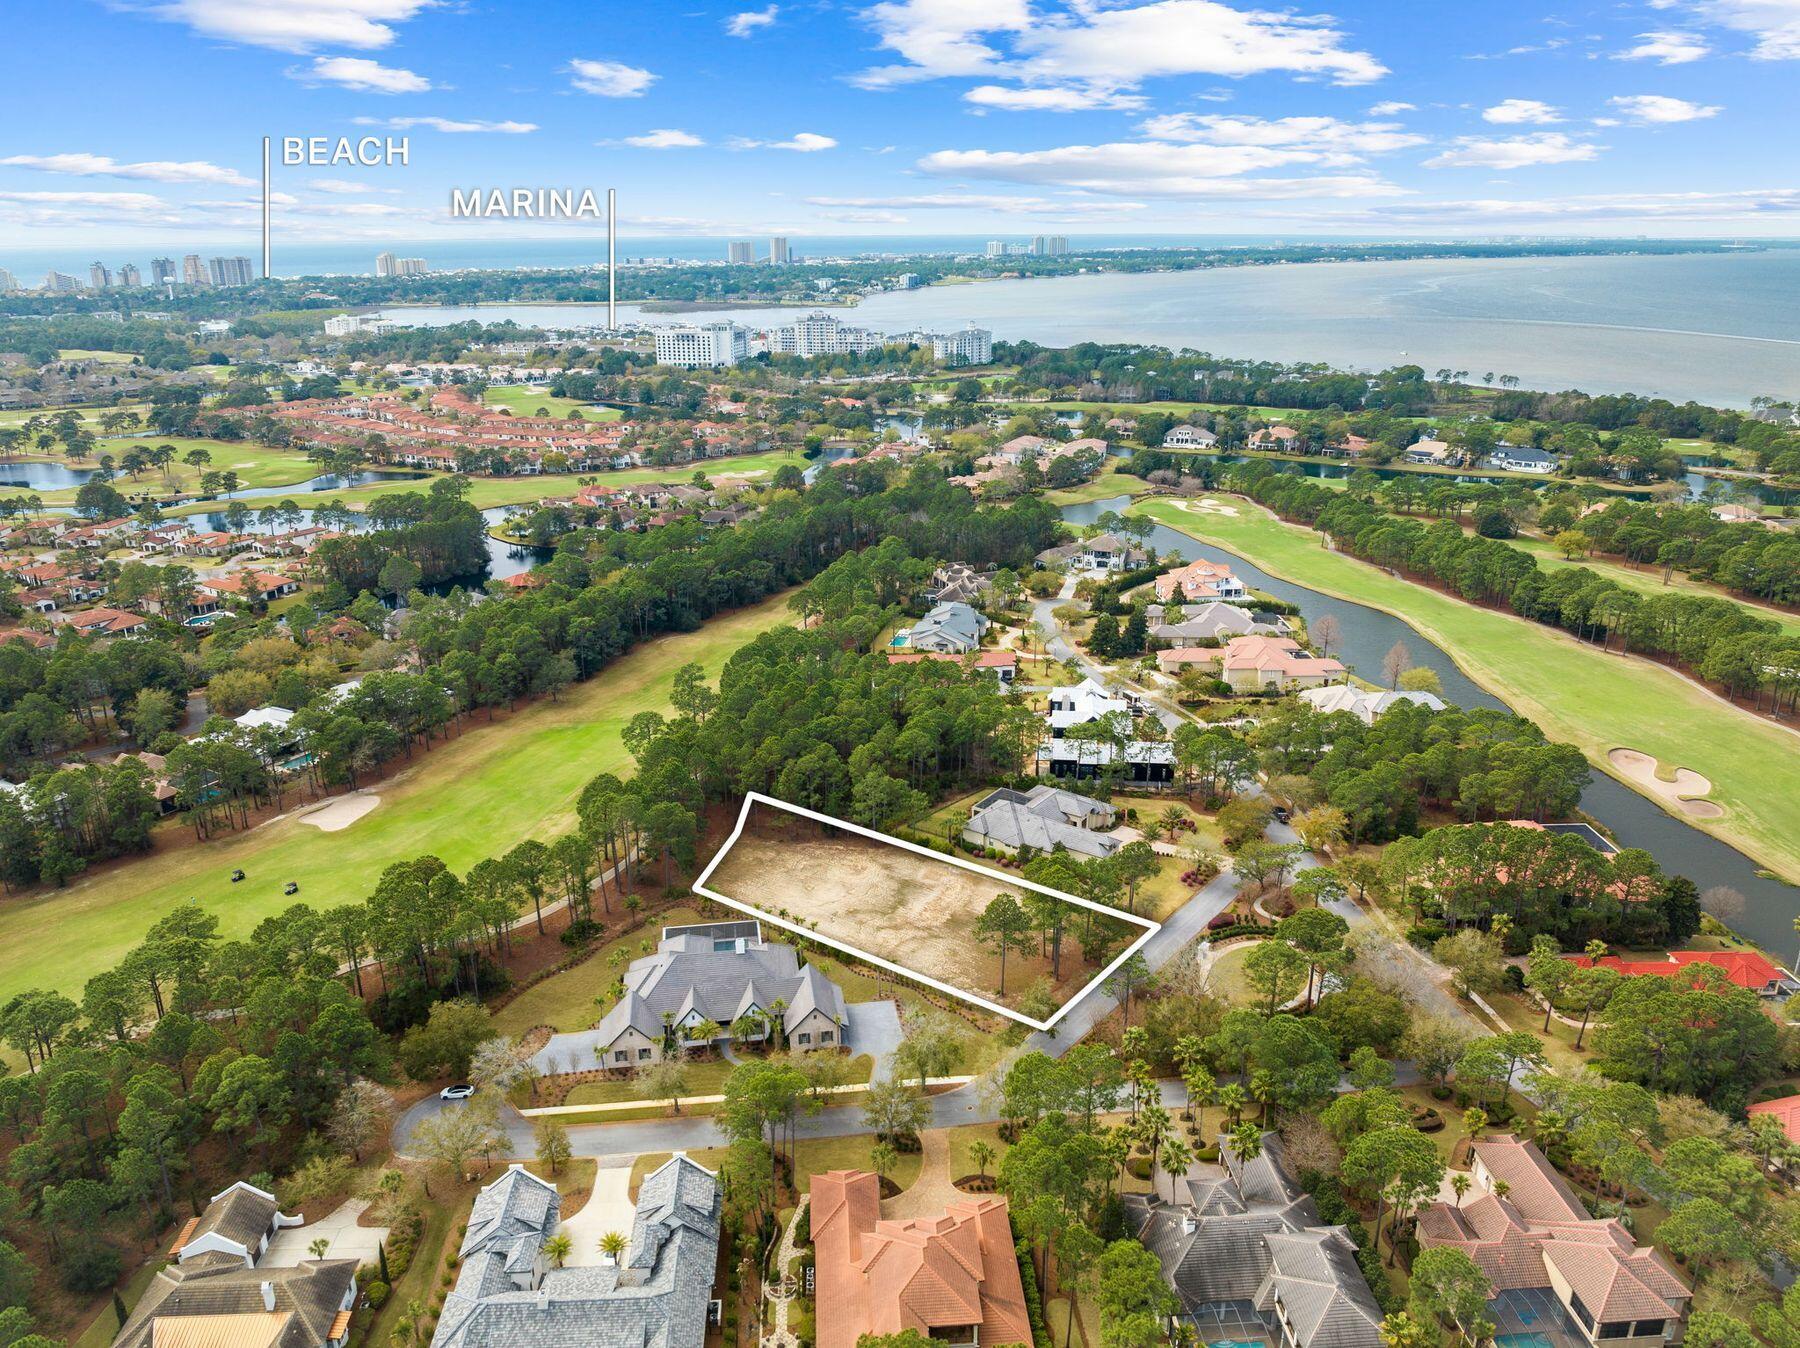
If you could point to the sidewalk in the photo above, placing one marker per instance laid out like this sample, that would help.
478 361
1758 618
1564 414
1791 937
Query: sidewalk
557 1111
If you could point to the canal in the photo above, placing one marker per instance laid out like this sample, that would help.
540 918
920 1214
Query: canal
1770 906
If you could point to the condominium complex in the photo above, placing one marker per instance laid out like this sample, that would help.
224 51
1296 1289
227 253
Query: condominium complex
193 271
60 283
1043 245
162 269
740 252
8 282
412 266
230 271
386 265
100 276
971 346
129 275
705 347
778 250
345 325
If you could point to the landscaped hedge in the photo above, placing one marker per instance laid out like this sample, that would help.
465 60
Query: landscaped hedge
1034 1301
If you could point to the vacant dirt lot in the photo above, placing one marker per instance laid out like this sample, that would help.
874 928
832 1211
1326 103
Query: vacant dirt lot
915 911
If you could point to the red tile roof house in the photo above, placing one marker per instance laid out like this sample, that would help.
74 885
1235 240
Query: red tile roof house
1786 1111
1199 581
1745 968
954 1278
1005 664
1250 664
1539 1243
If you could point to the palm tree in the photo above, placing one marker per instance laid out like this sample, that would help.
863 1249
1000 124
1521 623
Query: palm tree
1246 1141
1234 1097
1175 1157
1460 1182
557 1248
982 1155
612 1245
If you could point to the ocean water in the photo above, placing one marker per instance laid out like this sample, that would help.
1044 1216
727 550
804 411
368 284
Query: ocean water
1715 328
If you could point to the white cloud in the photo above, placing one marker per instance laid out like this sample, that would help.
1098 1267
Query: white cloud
1666 47
1140 168
1052 98
1775 24
610 79
340 187
1390 108
1521 111
1109 46
290 25
667 138
972 201
743 25
1515 152
152 170
1326 138
450 125
861 217
804 142
1745 207
1658 109
358 72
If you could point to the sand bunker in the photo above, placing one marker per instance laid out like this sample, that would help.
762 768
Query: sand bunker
1641 770
342 812
1208 505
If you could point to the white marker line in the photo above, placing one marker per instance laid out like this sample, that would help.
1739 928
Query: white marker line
755 797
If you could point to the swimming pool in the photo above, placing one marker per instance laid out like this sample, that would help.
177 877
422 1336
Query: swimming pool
1237 1343
1524 1341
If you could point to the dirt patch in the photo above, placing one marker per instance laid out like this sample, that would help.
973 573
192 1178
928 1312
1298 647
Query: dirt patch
342 812
1642 770
916 911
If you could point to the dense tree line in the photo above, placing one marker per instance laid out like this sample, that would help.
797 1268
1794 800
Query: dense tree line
1713 639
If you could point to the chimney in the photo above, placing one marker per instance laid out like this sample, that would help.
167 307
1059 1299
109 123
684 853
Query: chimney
543 1298
268 1291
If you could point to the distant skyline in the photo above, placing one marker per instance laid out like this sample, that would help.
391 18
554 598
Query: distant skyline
139 126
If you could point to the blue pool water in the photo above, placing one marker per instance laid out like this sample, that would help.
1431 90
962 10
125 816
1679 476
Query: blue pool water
1237 1343
1523 1341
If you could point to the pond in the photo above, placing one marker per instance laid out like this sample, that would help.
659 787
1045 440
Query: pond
34 475
1770 905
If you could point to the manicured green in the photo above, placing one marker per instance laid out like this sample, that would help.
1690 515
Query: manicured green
474 797
524 401
1574 691
1650 582
576 999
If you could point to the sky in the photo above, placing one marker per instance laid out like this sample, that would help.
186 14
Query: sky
139 122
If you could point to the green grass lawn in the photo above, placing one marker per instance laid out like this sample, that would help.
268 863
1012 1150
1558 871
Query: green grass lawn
1107 484
523 401
475 797
1574 691
105 1326
103 357
703 1078
566 1001
1650 582
485 492
256 466
88 415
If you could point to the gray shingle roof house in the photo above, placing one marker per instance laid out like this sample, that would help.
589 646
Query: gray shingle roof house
658 1296
238 1222
952 627
218 1301
1245 1240
1041 818
956 581
1213 620
718 972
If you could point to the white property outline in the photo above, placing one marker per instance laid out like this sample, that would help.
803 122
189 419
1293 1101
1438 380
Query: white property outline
1015 882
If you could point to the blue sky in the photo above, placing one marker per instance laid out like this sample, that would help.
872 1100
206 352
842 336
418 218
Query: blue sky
138 122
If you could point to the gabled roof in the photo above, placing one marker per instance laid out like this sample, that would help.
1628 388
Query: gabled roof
307 1298
883 1277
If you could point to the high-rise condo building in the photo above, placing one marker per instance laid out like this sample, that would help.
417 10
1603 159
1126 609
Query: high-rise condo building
130 276
386 265
740 252
705 347
161 269
778 250
996 248
8 282
1058 245
410 266
193 270
60 283
99 277
230 271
